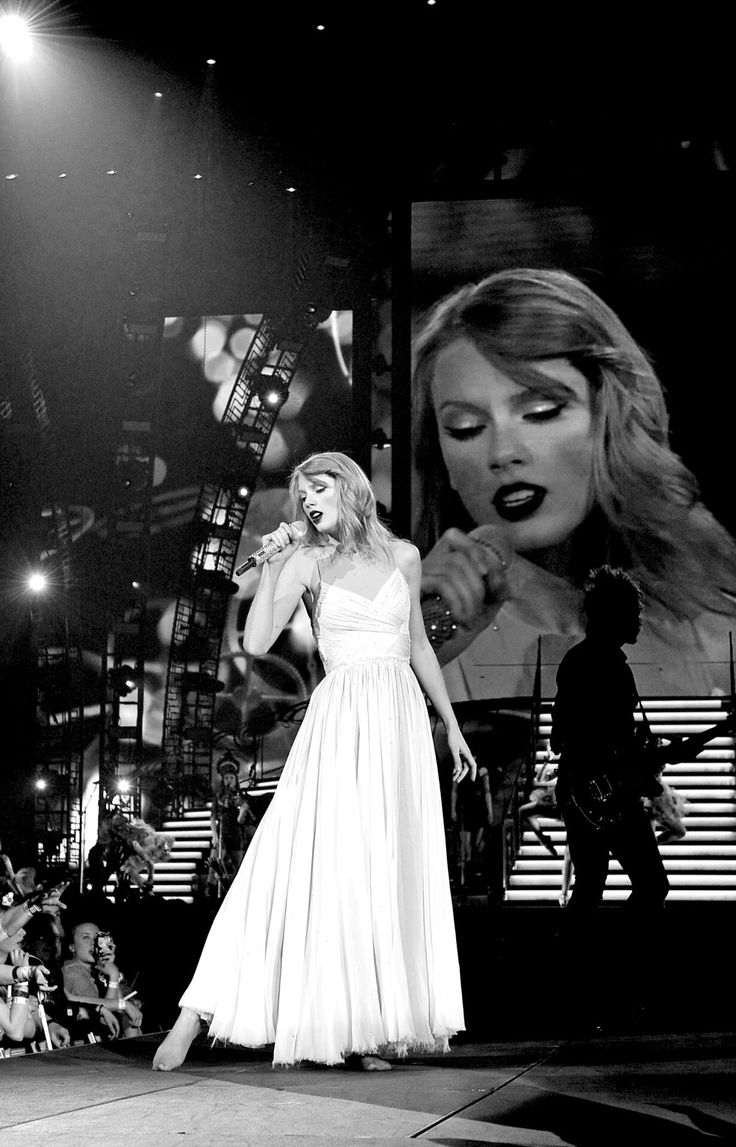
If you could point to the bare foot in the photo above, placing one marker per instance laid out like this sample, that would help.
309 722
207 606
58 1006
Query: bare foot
367 1063
173 1051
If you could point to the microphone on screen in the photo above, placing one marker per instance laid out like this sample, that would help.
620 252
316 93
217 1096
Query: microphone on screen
265 552
438 620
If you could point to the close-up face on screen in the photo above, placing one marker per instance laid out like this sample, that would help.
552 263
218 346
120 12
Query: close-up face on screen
556 428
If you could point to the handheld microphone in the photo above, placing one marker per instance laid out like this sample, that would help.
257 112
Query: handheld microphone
267 551
438 619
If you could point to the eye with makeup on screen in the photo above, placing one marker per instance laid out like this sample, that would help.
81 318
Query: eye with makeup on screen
541 415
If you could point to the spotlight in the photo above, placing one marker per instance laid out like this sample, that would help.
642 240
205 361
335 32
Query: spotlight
47 781
318 312
133 473
159 95
236 478
271 391
38 582
15 37
123 786
211 62
380 440
122 679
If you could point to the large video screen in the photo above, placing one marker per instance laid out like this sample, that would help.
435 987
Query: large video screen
557 428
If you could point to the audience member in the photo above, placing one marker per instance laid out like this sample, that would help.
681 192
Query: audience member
8 887
92 981
23 1015
43 942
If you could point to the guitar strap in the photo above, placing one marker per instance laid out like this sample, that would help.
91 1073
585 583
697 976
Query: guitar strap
644 718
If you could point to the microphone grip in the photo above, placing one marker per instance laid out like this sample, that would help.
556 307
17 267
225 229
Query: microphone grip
270 548
258 558
438 620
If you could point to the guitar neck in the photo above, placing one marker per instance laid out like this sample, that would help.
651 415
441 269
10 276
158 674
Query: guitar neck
691 745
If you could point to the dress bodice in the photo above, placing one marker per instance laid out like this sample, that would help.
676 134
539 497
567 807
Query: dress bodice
351 627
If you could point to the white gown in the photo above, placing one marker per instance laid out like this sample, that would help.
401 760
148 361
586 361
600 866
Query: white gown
337 935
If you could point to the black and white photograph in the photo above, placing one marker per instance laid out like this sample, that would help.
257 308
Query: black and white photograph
367 573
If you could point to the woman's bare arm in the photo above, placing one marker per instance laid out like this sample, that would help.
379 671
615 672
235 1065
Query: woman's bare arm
425 663
282 585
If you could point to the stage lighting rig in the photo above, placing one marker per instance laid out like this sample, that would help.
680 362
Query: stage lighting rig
123 679
271 391
193 682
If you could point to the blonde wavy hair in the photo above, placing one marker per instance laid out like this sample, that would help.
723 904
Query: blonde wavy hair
360 531
647 516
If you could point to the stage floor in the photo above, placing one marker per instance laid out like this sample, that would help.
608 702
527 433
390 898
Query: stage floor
653 1089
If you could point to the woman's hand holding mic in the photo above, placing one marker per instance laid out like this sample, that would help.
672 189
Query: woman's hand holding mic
286 538
464 584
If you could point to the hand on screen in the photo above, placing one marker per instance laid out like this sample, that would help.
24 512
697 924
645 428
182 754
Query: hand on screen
470 578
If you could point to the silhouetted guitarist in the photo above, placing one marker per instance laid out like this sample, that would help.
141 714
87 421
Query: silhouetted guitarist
593 729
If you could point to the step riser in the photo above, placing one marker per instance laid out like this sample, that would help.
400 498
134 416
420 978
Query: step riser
700 866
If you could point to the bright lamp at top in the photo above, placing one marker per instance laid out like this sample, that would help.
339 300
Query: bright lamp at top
16 40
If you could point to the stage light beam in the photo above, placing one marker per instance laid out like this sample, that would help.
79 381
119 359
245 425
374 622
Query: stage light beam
16 40
37 582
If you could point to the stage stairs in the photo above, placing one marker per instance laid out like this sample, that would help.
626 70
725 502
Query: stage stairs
702 865
174 878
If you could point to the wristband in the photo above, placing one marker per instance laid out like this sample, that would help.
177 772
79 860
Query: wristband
113 983
32 909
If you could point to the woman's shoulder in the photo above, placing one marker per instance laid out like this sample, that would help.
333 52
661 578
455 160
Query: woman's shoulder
405 554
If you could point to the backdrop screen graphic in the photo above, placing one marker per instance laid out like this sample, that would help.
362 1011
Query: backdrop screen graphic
663 270
662 275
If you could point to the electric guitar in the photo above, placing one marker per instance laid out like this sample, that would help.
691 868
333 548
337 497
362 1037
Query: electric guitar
602 796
